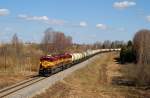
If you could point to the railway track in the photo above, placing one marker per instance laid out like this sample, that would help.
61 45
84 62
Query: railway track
11 89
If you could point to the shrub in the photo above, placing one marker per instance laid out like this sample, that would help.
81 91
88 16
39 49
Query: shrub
126 54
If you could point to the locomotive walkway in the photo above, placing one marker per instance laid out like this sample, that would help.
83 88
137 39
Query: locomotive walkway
31 88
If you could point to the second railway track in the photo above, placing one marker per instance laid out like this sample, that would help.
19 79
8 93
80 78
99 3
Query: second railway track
11 89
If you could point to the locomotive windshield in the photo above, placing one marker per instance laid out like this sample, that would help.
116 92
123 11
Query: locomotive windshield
45 58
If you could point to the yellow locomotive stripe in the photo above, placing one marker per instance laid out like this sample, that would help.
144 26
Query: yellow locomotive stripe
47 64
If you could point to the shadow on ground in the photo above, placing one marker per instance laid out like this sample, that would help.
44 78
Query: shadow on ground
122 80
131 84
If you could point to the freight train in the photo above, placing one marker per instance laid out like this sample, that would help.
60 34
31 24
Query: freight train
51 64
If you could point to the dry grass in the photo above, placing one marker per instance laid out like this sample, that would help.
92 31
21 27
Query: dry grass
94 81
25 59
7 79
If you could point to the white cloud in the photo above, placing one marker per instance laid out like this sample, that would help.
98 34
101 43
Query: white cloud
38 18
83 24
102 26
148 18
123 4
44 19
4 12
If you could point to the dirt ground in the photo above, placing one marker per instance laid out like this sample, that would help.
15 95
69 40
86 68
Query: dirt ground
7 79
98 80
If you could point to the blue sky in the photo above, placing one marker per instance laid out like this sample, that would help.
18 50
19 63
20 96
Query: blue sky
87 21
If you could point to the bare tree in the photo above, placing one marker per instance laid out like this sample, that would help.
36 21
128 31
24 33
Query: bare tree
47 40
15 40
61 41
54 41
107 44
4 55
16 44
142 47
